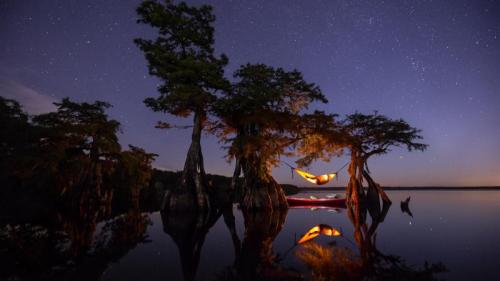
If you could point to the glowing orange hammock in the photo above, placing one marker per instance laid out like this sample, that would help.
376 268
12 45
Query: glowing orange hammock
317 230
318 180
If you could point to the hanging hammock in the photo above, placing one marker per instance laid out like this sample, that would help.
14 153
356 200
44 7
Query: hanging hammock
318 180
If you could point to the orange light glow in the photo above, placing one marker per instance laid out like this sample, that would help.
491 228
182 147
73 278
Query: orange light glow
317 230
318 180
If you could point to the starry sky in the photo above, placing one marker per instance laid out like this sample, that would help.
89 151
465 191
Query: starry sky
434 63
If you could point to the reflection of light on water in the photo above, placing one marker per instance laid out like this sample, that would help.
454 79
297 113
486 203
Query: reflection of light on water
316 230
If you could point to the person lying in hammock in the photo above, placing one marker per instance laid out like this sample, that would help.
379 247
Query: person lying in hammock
318 180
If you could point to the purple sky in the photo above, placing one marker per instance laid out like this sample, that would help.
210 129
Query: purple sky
434 63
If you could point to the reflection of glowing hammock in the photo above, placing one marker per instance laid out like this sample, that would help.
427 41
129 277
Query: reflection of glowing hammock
317 230
319 180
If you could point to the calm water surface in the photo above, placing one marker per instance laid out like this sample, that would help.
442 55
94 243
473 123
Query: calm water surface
459 229
455 229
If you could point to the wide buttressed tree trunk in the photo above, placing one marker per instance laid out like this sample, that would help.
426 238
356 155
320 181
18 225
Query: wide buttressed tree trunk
358 173
260 189
191 193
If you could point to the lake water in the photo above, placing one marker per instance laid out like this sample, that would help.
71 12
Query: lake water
456 229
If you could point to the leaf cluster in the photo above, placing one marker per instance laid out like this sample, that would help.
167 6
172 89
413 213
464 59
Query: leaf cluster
182 56
371 134
262 113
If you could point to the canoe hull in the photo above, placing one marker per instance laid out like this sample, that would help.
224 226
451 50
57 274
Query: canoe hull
327 202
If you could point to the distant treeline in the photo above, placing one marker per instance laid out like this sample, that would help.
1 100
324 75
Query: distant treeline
68 160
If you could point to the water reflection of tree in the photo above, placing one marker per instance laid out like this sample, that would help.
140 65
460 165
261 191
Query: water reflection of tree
188 230
68 249
256 260
337 263
116 239
254 257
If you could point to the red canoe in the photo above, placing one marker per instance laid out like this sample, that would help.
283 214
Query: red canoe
327 202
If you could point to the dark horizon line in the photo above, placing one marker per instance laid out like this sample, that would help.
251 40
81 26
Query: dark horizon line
407 188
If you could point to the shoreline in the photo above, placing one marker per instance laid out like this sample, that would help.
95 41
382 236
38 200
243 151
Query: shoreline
417 188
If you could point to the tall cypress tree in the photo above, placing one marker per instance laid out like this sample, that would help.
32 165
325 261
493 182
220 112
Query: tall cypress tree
182 56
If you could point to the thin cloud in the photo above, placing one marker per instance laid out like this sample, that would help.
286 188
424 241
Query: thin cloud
32 101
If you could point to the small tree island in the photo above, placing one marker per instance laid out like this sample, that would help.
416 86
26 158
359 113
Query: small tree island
261 115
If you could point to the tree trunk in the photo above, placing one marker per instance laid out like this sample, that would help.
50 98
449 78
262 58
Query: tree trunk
236 174
354 192
261 191
376 188
192 193
236 186
372 195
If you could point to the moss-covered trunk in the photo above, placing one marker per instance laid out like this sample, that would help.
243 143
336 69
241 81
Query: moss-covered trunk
192 193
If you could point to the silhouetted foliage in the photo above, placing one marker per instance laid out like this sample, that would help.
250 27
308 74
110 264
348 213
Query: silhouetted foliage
15 128
62 174
182 56
69 158
79 148
375 134
133 173
369 135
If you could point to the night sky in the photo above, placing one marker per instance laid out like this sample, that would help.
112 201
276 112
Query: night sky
434 63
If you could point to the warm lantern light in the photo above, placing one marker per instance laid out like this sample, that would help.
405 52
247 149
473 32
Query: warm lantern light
317 230
318 180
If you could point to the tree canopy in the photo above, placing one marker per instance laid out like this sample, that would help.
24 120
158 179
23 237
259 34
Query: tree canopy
261 114
260 120
182 56
15 128
71 156
373 134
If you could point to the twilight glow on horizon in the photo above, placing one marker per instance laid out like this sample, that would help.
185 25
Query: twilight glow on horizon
435 64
